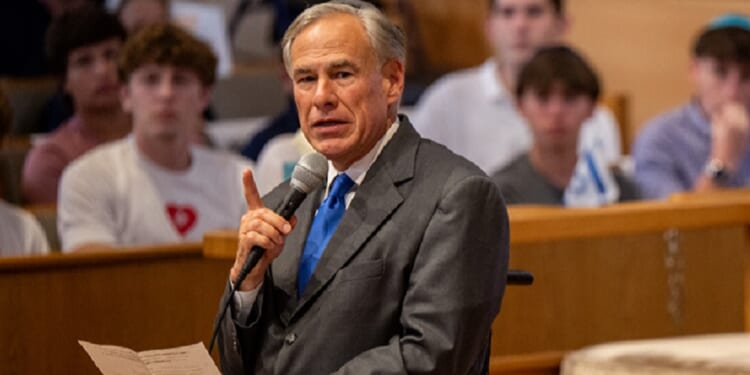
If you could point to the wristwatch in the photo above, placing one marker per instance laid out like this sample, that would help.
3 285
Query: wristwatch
717 171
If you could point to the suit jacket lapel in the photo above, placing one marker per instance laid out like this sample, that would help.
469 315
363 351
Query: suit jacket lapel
285 267
374 202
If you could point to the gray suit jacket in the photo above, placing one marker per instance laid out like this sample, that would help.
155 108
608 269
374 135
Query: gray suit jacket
410 281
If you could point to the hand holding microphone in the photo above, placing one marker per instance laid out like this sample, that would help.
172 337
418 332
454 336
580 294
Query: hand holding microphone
262 231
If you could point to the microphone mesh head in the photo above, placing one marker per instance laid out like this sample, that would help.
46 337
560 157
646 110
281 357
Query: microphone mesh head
310 173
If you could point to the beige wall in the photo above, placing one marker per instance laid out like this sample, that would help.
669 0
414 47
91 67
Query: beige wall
640 47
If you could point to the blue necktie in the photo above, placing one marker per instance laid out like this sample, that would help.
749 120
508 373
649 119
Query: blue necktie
323 225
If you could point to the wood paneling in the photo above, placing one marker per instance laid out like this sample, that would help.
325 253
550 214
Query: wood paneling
142 299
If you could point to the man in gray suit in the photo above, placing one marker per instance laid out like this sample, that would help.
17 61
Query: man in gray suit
413 275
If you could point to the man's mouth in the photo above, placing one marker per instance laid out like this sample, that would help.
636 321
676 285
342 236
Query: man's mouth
328 122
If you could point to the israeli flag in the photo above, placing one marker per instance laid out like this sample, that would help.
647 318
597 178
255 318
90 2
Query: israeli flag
592 184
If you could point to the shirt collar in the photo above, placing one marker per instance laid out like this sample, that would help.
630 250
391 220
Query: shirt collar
359 168
490 83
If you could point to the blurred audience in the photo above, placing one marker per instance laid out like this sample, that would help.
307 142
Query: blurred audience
154 186
83 45
23 24
472 111
20 232
556 93
283 123
703 145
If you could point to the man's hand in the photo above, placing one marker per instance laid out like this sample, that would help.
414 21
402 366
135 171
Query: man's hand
262 227
730 129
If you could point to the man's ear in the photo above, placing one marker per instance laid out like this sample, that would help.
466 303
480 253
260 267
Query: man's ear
393 80
693 70
206 93
563 25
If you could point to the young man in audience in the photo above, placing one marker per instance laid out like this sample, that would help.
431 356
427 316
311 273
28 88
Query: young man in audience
703 145
83 46
20 232
472 111
556 93
154 186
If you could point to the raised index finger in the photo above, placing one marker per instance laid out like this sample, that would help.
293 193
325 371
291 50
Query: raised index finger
252 197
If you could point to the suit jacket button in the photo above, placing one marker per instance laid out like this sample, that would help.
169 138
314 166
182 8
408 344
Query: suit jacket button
290 338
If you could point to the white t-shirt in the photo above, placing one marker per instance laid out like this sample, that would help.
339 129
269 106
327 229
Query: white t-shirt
114 195
471 113
20 232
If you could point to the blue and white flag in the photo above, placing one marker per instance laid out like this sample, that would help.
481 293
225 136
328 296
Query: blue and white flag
592 184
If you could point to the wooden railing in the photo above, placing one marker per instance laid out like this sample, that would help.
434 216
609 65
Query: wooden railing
629 271
144 298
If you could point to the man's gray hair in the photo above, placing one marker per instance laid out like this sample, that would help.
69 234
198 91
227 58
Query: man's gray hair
387 39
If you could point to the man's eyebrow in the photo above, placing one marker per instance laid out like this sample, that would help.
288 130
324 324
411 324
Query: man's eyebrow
302 70
338 64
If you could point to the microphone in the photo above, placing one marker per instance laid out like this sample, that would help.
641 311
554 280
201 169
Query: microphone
310 173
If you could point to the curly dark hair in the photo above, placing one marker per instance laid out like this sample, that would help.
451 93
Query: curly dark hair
168 44
86 25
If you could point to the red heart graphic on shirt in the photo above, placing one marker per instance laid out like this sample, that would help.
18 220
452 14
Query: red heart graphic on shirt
183 217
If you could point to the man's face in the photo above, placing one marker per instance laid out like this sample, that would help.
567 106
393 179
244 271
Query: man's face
165 101
517 28
341 90
91 76
555 119
717 84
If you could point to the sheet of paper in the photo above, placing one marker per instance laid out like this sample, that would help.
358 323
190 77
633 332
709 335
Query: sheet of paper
185 360
115 360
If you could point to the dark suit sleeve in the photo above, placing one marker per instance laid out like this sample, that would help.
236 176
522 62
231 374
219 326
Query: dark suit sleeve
455 288
239 342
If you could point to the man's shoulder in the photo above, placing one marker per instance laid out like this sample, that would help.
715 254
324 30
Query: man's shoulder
513 171
437 162
664 126
456 81
104 157
13 216
670 120
219 157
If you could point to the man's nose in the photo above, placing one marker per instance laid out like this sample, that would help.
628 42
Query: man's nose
325 96
555 105
521 22
165 88
103 66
